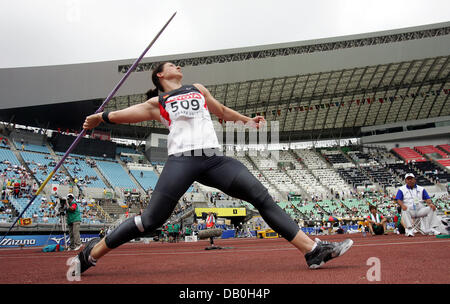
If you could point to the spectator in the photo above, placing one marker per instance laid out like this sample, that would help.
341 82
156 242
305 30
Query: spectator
410 197
210 224
176 231
170 232
102 233
16 189
73 221
377 223
399 222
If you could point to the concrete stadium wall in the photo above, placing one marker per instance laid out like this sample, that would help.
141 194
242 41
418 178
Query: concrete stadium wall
408 138
30 86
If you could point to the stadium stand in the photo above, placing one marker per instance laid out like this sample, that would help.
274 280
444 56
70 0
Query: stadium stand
432 172
444 162
445 148
41 165
311 159
362 159
116 174
297 171
354 177
380 155
438 154
382 176
408 154
158 166
338 186
266 163
358 207
83 173
288 207
430 149
401 169
32 147
10 165
121 149
4 143
310 211
45 214
308 182
146 178
287 160
337 159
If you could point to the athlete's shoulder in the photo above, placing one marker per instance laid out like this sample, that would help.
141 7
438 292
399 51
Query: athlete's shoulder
200 88
153 100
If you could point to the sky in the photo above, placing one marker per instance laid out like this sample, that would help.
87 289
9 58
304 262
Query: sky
54 32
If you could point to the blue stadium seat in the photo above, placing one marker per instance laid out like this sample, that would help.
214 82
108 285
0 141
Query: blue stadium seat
84 169
149 178
9 156
38 158
31 147
116 174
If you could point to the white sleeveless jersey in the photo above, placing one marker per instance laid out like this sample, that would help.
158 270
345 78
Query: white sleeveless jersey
185 113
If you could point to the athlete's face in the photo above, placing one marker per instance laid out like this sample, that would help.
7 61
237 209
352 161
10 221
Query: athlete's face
170 70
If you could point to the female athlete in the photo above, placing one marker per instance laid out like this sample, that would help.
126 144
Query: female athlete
194 155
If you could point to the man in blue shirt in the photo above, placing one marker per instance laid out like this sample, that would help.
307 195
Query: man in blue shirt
410 198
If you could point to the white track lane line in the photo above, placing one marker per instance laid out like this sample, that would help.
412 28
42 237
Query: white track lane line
224 251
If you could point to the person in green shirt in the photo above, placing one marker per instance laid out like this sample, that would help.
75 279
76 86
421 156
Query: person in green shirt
170 231
176 232
73 222
188 231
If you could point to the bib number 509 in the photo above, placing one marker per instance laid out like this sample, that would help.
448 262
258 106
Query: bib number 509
194 104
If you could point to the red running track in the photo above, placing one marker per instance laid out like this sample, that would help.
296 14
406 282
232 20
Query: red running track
418 260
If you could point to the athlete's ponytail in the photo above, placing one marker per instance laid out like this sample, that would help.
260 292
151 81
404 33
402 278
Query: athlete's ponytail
152 93
155 79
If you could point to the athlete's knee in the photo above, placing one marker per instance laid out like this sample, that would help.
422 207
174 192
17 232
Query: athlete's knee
158 211
148 222
263 200
160 208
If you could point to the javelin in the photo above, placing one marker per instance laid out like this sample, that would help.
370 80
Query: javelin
75 143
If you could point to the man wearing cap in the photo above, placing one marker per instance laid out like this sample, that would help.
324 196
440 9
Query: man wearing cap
410 197
73 221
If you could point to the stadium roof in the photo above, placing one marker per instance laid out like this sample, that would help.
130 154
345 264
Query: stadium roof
314 89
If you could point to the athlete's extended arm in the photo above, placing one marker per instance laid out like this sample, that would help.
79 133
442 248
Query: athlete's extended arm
148 110
224 112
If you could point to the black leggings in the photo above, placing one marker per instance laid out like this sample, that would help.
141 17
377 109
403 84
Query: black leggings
221 172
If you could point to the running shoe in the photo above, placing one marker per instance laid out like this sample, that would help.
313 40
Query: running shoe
82 259
326 251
